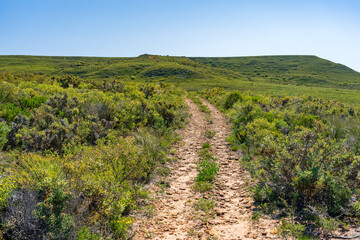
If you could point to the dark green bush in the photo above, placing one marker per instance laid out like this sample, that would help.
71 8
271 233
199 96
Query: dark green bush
4 130
67 81
231 99
51 213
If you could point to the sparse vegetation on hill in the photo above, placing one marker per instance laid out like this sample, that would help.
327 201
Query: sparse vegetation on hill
294 70
275 75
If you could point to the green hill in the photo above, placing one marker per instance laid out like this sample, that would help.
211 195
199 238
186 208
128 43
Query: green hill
275 75
296 70
143 68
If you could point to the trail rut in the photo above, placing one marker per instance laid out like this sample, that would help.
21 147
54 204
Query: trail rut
175 217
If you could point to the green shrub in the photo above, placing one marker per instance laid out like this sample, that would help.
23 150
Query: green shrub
6 187
289 229
316 170
84 233
32 102
8 92
51 213
4 130
9 111
231 99
67 81
120 225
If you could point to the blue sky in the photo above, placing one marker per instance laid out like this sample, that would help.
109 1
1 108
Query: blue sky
327 28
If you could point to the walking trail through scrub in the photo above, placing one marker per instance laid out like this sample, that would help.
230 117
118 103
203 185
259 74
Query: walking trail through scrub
175 213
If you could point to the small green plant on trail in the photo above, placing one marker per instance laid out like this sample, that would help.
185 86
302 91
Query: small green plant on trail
207 169
206 145
203 186
192 232
204 209
207 166
205 205
209 134
255 216
209 119
204 109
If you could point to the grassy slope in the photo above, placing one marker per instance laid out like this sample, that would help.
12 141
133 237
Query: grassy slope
276 75
297 70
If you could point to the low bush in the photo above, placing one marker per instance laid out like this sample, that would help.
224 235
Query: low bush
4 130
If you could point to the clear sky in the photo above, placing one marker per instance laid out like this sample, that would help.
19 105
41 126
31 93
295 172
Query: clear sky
124 28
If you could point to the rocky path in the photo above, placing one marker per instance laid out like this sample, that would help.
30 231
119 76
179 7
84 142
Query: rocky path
234 205
175 217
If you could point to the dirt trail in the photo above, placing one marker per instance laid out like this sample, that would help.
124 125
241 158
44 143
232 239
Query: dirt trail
234 203
175 218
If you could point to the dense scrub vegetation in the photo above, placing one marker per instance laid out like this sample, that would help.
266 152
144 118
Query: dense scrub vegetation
302 153
75 153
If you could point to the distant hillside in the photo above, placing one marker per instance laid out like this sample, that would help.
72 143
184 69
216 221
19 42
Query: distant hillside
297 70
275 75
146 66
